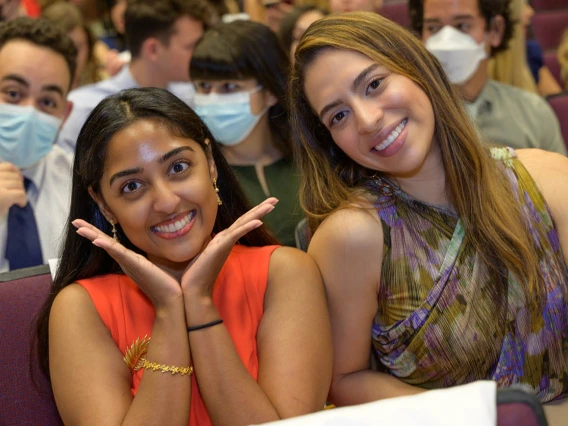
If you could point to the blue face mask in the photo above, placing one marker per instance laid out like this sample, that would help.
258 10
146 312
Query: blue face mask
228 116
26 135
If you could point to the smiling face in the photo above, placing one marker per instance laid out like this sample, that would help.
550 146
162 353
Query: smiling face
159 188
381 120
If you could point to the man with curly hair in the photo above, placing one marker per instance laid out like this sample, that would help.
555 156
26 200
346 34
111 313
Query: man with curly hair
463 34
37 65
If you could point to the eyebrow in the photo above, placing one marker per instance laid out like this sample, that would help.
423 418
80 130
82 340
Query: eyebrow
173 153
453 18
124 173
358 80
19 79
162 159
53 88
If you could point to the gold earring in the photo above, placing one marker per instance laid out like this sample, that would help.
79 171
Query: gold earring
114 233
219 201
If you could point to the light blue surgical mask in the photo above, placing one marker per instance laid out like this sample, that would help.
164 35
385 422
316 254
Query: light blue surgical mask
228 116
26 134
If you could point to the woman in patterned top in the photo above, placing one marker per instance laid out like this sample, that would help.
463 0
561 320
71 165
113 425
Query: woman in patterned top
442 257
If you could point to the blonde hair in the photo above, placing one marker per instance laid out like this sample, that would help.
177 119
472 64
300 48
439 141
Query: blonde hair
476 187
563 59
510 66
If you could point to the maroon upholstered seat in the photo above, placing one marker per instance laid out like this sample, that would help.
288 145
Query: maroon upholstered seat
549 26
559 104
516 407
397 12
539 5
23 402
551 62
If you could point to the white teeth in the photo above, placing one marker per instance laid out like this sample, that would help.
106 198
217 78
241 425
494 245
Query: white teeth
179 224
392 137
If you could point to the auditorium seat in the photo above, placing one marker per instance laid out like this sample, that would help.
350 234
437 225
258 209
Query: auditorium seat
397 12
539 5
549 26
551 62
559 104
23 401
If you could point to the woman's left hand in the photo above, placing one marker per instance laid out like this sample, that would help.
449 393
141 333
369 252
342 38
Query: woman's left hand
199 277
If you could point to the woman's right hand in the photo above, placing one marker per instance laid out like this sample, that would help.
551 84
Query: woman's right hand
160 287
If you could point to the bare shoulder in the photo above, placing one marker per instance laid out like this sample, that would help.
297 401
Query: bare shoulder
71 300
354 231
538 161
292 270
348 248
285 259
550 172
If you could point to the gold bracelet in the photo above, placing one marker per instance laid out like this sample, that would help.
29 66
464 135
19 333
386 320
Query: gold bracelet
134 359
166 368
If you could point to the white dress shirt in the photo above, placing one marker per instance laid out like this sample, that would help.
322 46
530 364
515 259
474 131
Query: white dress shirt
49 195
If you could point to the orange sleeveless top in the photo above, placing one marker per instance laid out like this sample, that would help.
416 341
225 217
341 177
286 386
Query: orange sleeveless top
238 294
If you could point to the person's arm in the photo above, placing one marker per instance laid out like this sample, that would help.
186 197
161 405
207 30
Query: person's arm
348 249
550 172
547 84
294 347
90 380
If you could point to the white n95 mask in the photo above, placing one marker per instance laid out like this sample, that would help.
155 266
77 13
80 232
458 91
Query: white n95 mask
458 53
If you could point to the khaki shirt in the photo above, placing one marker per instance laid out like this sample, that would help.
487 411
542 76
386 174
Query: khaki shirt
508 116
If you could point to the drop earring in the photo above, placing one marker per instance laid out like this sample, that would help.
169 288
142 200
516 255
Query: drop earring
219 201
114 233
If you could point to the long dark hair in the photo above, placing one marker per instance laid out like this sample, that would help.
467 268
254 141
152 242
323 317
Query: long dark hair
80 259
246 49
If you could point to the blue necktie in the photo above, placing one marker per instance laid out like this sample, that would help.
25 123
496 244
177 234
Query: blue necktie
22 245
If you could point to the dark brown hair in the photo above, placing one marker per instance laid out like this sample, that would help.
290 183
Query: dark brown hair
157 18
41 33
246 49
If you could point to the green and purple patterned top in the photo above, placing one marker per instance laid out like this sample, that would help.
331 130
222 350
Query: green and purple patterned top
445 318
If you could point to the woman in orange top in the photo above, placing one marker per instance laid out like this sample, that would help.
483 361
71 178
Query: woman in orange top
196 329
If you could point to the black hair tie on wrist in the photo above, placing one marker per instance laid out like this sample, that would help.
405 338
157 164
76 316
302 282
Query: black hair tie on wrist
206 325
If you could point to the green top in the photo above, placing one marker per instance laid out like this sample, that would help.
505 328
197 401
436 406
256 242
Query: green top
283 181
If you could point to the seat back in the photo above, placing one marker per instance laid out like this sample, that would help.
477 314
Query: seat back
23 402
551 61
515 407
559 104
549 26
539 5
397 12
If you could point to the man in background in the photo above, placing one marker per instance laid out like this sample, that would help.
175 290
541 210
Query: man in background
463 34
160 36
37 66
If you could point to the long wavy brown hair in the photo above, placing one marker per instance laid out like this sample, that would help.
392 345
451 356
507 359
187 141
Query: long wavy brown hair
475 185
